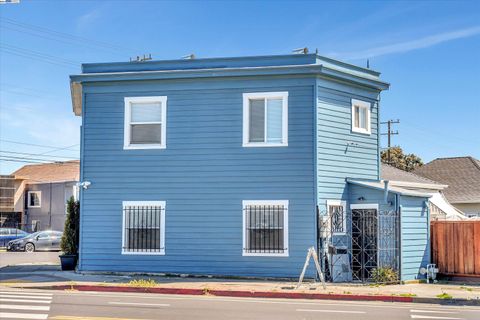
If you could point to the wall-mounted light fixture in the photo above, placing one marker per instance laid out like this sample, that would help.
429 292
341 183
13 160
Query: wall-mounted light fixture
361 199
84 184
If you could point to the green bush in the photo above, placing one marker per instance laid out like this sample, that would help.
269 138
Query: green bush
70 238
384 275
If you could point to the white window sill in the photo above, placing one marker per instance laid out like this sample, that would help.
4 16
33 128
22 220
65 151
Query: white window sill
251 254
144 146
263 145
33 207
146 253
362 131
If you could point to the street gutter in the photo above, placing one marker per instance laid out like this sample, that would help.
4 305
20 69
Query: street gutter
259 294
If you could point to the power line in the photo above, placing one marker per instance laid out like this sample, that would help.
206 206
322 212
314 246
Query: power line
62 35
35 145
22 161
29 158
36 154
37 54
59 149
24 55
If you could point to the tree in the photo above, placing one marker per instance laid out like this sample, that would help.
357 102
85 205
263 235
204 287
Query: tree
398 159
69 243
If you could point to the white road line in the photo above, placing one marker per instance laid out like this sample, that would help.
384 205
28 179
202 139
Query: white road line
24 300
8 315
140 304
24 296
430 311
22 307
416 316
329 311
27 292
370 304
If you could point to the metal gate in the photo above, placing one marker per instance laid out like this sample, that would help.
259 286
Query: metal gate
368 240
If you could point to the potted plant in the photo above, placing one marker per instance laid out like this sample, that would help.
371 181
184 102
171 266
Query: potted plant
69 243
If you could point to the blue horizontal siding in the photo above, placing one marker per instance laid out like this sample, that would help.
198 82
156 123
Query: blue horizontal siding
334 161
415 237
203 175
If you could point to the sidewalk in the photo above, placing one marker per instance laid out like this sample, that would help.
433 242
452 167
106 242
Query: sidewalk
50 277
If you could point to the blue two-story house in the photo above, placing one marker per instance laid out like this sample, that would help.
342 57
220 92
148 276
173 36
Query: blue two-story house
236 166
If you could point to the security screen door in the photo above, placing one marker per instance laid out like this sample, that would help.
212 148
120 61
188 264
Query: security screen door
364 243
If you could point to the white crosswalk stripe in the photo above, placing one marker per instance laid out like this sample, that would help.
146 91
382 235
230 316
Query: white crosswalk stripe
20 304
432 314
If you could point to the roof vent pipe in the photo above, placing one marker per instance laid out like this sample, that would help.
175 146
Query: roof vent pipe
190 56
300 50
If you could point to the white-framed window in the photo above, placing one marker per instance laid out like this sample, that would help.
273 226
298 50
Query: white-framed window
337 210
143 227
265 119
145 123
265 228
361 122
34 199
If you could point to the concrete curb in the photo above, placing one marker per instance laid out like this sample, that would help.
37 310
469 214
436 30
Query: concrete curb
261 294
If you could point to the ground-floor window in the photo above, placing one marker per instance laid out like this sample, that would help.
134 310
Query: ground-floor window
265 228
337 214
143 227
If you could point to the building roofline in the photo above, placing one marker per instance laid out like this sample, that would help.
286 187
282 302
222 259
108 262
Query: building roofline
318 57
380 185
339 74
433 186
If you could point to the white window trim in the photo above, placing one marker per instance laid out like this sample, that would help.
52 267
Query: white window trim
344 205
39 199
246 203
126 128
364 206
246 118
161 204
365 105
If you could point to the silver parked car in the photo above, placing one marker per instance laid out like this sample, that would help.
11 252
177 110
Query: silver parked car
38 241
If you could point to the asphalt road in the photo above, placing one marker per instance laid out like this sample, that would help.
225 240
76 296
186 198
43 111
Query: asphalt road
74 305
18 258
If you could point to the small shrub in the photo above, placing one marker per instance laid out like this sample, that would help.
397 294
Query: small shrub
407 295
69 242
466 289
142 283
445 296
384 275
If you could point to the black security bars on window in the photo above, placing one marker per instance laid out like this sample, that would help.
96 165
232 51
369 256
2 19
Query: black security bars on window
264 229
142 228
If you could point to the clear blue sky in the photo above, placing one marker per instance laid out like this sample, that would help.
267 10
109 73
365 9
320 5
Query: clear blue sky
429 51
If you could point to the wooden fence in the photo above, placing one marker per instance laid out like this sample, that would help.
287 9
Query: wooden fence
456 247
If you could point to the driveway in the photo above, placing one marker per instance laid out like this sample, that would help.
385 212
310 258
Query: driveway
24 258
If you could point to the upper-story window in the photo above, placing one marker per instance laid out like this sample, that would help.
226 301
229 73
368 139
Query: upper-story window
145 123
34 199
361 116
265 119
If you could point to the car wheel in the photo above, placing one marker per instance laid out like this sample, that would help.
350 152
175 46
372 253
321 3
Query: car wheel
29 247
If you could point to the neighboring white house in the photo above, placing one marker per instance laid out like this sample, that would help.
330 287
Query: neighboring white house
439 206
462 175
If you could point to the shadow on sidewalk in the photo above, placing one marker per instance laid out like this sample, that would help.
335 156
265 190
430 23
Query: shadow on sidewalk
31 273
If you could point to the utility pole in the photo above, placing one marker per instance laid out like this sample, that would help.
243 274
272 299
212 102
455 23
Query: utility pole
390 133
